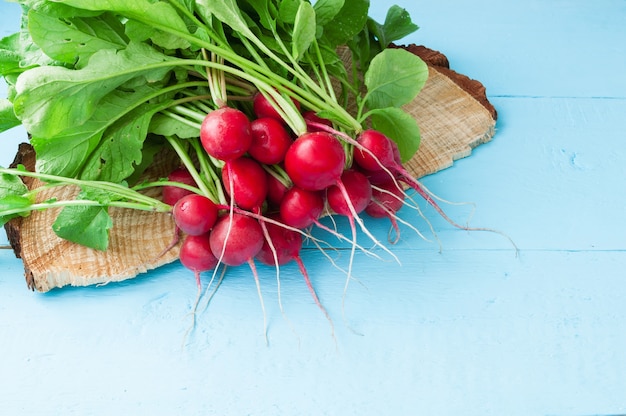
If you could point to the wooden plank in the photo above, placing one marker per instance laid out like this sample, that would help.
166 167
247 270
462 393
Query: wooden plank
477 330
552 178
532 48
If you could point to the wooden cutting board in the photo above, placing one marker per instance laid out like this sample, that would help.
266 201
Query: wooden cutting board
454 116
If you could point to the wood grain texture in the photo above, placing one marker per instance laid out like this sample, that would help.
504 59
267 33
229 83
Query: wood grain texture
451 121
139 241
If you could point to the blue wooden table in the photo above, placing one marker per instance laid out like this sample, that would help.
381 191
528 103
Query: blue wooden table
472 329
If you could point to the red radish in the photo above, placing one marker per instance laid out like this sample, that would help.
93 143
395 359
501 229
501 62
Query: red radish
225 133
359 193
171 194
377 177
276 190
301 208
286 243
315 161
387 199
349 197
383 171
380 153
381 149
195 214
196 255
315 122
236 239
270 140
247 180
396 153
263 108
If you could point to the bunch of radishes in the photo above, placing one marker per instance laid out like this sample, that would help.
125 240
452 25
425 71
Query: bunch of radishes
277 186
281 112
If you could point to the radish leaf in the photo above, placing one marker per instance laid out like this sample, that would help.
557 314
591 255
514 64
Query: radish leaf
394 78
7 116
400 127
347 23
397 25
11 185
287 10
266 17
53 99
13 203
229 13
326 10
18 53
159 14
303 30
17 205
72 39
10 56
84 150
65 154
167 126
120 151
85 225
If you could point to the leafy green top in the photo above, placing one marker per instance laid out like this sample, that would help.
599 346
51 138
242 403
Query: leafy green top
99 85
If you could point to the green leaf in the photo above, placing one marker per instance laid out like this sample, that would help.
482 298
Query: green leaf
262 8
120 149
347 23
72 40
159 14
326 10
303 30
12 190
398 24
83 151
56 9
229 13
400 127
18 52
167 126
149 150
65 154
51 100
287 10
11 185
85 225
7 116
13 203
9 54
103 197
139 31
394 78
